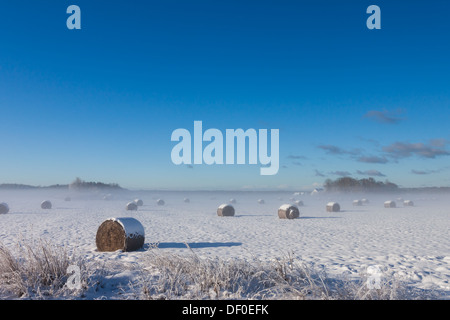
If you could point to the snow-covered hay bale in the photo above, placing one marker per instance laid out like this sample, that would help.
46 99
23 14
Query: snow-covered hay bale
287 211
232 200
333 207
46 204
261 201
139 202
390 204
365 201
225 210
4 209
357 202
299 203
125 234
131 206
408 203
160 202
186 200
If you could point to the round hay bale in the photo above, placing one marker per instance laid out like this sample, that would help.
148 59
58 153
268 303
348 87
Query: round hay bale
390 204
287 211
299 203
357 202
132 206
365 201
333 207
125 234
67 198
225 210
408 203
4 209
232 200
46 204
261 201
139 202
186 200
160 202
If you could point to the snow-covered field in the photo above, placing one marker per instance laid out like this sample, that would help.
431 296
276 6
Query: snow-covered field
410 242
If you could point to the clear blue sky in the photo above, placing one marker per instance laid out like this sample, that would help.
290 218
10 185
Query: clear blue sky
101 103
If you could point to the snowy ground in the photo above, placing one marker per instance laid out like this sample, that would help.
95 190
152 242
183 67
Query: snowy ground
411 242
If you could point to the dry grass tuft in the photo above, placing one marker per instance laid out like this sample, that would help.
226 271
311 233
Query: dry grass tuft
37 271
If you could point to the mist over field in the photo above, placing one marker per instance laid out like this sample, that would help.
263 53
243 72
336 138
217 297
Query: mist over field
406 243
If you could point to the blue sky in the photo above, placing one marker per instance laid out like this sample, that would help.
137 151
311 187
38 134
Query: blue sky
101 103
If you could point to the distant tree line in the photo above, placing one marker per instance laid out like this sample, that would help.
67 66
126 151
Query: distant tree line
13 186
79 184
18 186
348 184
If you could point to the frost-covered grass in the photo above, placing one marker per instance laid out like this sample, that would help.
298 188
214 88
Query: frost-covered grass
35 271
39 271
169 276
